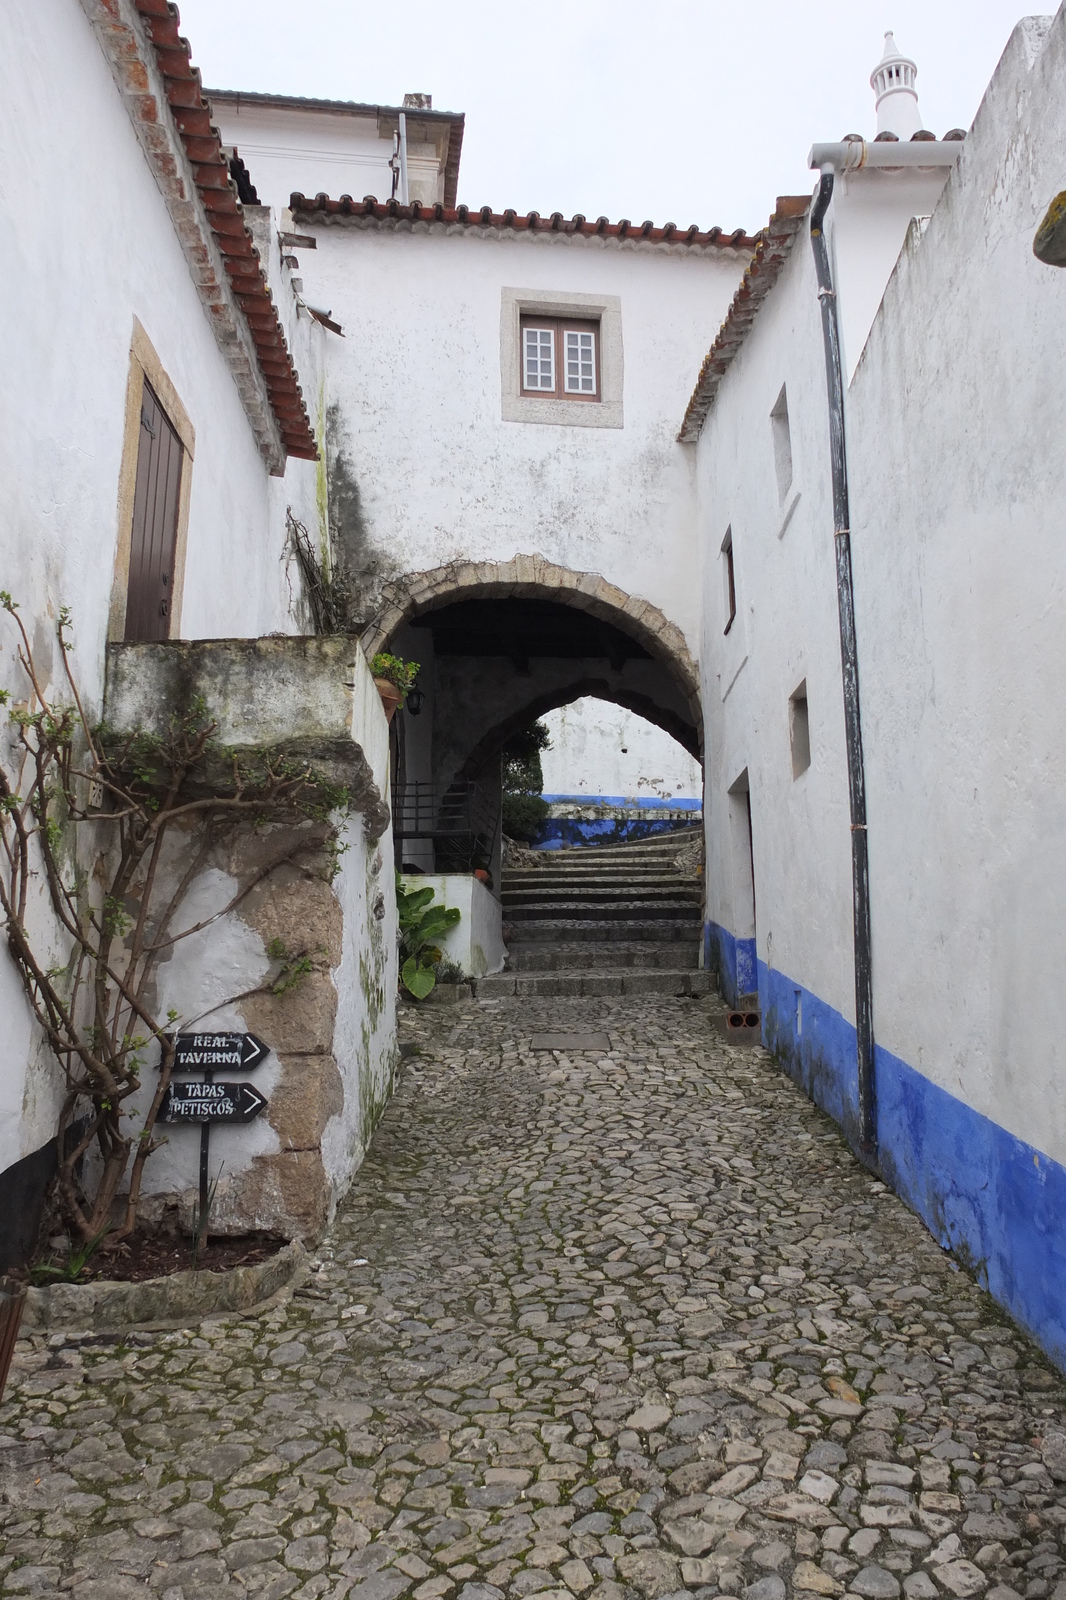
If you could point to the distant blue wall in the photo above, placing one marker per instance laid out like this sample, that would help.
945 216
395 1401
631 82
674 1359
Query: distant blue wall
996 1201
637 819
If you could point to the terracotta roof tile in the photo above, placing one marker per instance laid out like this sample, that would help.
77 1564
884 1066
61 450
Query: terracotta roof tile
771 252
370 211
218 193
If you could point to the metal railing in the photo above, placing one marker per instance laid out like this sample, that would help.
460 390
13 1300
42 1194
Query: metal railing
460 821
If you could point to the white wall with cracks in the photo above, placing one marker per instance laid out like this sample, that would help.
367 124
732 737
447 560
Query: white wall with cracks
94 256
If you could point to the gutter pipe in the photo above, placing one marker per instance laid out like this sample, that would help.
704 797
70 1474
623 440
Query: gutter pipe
891 154
405 198
849 662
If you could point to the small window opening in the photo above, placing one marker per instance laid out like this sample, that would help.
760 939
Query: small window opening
782 443
799 730
560 358
730 580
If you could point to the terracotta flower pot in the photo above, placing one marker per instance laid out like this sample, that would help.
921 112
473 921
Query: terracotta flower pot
391 697
12 1300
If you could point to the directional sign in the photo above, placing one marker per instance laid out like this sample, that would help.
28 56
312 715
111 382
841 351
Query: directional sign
211 1102
218 1052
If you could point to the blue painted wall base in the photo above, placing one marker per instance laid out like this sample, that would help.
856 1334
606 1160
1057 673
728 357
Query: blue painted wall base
996 1201
731 960
611 819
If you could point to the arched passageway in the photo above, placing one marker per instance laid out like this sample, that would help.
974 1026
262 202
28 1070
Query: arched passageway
501 643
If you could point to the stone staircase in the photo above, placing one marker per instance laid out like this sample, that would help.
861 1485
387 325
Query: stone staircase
602 920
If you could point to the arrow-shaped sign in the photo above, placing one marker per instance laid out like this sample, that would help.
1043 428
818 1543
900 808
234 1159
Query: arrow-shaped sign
211 1102
218 1052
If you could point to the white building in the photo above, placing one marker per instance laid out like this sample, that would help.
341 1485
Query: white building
954 341
145 335
501 493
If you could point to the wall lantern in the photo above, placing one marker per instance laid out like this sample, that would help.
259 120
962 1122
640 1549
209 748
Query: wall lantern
416 699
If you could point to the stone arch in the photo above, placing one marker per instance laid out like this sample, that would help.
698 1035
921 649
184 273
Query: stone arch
536 578
597 688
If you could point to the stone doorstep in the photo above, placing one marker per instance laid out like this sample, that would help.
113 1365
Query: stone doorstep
656 980
179 1301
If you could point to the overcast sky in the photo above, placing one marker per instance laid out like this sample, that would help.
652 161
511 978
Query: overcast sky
679 111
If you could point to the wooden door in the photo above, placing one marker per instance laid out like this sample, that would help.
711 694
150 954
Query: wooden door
155 524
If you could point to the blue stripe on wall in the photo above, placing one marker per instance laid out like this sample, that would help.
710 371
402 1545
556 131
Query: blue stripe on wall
995 1200
640 802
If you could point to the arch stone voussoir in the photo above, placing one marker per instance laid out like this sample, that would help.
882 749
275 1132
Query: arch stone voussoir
535 577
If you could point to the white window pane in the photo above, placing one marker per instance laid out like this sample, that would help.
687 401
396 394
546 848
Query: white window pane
538 352
580 355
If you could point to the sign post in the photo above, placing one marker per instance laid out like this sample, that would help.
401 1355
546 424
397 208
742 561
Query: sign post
208 1102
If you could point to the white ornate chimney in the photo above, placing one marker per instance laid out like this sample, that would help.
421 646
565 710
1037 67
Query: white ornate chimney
892 81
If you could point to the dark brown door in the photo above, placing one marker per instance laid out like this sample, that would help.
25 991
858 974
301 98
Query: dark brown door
155 524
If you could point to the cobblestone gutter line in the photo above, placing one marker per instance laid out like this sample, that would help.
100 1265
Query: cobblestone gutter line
608 1327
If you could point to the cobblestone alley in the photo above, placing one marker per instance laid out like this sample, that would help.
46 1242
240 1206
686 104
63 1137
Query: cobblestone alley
616 1324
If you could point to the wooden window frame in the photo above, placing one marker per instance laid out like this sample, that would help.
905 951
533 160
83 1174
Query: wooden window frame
560 327
145 366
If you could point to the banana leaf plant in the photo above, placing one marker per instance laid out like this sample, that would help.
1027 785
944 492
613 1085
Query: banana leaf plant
421 925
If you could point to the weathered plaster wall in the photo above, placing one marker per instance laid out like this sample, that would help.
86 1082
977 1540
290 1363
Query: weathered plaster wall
600 750
957 417
872 210
94 250
418 430
955 421
784 633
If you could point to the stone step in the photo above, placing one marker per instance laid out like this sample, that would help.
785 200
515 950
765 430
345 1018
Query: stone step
606 895
628 981
552 880
597 910
633 931
600 954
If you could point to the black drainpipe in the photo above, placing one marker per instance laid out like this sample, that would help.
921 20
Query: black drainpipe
849 663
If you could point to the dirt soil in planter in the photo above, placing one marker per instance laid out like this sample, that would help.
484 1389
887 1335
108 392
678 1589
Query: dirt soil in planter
158 1255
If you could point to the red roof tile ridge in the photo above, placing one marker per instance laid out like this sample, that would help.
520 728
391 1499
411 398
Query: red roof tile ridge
323 208
225 215
771 252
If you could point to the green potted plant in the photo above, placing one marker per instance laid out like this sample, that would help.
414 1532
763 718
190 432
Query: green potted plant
394 679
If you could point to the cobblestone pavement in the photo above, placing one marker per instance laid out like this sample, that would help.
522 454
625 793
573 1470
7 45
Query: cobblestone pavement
611 1326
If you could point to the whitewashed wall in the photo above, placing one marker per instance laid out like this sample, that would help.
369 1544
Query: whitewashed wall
958 417
785 632
91 246
417 382
600 749
306 150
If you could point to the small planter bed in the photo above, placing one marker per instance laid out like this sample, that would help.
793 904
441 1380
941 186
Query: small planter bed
155 1285
158 1255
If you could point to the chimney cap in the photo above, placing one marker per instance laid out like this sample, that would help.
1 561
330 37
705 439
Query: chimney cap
418 102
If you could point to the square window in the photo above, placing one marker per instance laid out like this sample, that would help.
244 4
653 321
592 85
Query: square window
560 358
